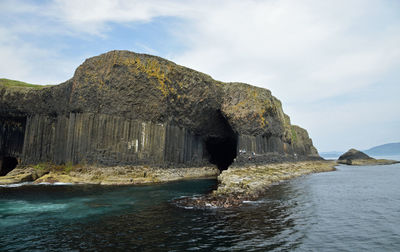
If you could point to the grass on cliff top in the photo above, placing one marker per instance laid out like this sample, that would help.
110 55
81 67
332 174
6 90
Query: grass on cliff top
19 84
66 168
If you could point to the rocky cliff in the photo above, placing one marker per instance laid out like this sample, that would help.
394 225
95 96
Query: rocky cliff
127 108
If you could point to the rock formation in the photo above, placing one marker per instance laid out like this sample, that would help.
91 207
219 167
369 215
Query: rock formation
356 157
124 108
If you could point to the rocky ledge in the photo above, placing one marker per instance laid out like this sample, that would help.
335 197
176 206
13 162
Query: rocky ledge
356 157
240 184
116 175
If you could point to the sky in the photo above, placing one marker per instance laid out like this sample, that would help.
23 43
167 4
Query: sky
334 64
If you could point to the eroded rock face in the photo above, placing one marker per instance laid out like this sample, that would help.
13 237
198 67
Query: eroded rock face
127 108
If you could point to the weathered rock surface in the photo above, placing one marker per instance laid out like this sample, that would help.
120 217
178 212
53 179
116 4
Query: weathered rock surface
116 175
356 157
126 175
239 184
123 108
254 179
22 174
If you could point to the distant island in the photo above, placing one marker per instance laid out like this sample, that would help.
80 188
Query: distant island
388 149
356 157
384 150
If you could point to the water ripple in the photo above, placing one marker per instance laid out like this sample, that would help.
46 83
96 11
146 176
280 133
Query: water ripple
352 209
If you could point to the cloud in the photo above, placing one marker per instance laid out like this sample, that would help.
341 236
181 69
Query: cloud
23 60
295 48
39 40
350 124
306 52
94 16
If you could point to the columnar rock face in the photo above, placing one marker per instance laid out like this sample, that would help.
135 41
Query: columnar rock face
107 139
12 131
128 108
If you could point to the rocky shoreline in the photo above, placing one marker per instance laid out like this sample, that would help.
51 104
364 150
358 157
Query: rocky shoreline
361 162
116 175
236 185
240 184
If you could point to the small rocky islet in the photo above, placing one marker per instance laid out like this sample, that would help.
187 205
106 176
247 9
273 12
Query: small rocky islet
356 157
129 118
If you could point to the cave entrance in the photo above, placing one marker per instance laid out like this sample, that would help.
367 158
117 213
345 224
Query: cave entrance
222 151
221 143
7 164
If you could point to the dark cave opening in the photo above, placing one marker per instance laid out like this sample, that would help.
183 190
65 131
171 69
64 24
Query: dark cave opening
7 164
221 146
222 151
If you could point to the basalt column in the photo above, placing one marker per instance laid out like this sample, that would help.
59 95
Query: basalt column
12 130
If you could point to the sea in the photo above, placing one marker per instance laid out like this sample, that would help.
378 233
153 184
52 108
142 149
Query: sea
355 208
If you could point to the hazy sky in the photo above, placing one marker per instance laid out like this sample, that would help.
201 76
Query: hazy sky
335 65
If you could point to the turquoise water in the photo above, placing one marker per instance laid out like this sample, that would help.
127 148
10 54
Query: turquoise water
351 209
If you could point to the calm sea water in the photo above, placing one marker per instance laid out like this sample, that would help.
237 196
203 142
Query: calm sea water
351 209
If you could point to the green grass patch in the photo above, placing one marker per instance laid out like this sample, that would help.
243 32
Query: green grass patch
65 168
68 167
42 166
20 84
294 135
